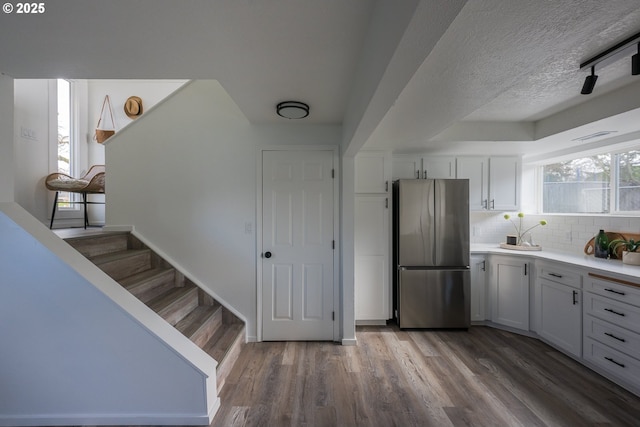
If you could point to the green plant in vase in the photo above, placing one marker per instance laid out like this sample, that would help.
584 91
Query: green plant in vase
629 249
519 232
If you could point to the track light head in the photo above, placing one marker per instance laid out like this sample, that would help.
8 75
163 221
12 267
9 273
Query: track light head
635 63
589 82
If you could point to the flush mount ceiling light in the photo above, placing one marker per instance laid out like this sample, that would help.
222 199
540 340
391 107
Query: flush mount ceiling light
610 56
292 110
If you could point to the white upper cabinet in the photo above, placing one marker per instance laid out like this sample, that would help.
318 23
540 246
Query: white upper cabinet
476 170
423 167
406 167
372 172
438 167
494 183
504 183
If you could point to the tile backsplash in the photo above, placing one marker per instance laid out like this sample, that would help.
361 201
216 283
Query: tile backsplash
569 233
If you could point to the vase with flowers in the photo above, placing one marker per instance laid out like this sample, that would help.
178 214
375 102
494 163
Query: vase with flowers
520 232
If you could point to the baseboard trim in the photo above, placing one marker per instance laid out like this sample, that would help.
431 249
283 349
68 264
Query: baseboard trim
350 341
102 419
118 228
371 322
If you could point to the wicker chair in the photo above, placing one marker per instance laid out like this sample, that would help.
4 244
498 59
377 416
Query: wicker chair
91 183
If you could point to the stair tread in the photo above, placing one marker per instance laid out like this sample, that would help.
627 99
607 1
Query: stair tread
95 244
115 256
220 343
190 324
165 299
144 276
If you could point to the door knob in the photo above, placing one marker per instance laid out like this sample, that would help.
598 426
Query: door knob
267 254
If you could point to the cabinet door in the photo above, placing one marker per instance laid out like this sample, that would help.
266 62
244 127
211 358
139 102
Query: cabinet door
438 167
476 170
504 183
406 167
561 316
478 288
371 173
372 290
510 292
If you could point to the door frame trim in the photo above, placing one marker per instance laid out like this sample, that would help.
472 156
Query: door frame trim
336 231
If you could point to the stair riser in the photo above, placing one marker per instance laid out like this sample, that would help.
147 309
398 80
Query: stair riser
153 287
226 363
92 246
179 308
207 329
119 269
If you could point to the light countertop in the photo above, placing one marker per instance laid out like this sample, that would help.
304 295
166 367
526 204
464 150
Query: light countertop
581 260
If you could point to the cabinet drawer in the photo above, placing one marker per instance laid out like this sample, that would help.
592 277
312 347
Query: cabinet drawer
619 364
614 289
618 313
560 275
613 336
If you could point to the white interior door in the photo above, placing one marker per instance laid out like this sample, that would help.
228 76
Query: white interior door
298 245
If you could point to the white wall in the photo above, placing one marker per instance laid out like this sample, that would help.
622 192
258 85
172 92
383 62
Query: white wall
150 91
72 354
185 178
31 146
6 139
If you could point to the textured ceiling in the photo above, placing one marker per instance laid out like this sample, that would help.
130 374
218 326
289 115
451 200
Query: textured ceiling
412 75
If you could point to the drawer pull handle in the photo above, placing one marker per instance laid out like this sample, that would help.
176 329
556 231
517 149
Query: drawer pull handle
575 297
615 337
613 361
559 276
614 312
614 291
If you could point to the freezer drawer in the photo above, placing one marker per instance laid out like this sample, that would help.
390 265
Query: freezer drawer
434 298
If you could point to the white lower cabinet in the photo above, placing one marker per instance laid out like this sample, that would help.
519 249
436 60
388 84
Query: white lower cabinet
561 316
612 327
509 291
372 261
559 306
478 288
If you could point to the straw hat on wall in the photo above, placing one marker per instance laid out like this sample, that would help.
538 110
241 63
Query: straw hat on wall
133 107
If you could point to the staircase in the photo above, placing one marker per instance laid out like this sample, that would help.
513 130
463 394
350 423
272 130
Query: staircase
169 293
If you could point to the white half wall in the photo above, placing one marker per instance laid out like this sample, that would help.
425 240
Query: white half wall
6 139
72 354
184 176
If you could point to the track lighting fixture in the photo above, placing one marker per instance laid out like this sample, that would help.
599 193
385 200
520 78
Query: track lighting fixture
635 63
589 82
610 56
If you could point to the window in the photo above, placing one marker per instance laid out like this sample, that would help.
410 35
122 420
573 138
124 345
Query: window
603 183
66 147
627 181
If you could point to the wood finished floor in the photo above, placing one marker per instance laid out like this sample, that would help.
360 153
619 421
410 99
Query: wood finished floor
483 377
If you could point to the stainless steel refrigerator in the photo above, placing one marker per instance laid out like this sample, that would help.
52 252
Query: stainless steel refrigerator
431 253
